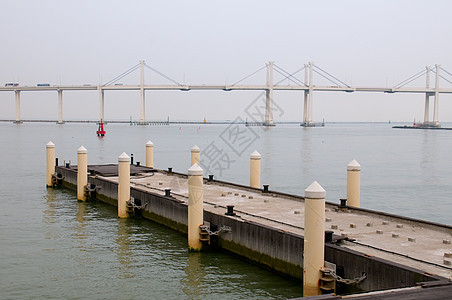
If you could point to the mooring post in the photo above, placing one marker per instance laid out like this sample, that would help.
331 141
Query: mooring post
314 238
353 184
50 169
195 155
195 206
149 154
123 184
255 170
82 172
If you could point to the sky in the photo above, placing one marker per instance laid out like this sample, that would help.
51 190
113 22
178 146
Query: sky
363 43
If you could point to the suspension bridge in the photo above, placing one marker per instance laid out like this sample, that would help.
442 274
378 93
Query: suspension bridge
306 86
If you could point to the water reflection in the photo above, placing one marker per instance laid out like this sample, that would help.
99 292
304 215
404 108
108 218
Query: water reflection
306 150
80 226
124 252
194 275
428 155
49 212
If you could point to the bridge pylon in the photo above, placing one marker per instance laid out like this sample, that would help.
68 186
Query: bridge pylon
269 96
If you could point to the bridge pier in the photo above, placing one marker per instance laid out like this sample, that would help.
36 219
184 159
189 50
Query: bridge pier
17 121
427 97
307 107
101 104
142 94
305 102
436 106
60 107
269 96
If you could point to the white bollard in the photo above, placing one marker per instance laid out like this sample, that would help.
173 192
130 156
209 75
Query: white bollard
149 154
314 239
82 172
353 184
195 206
50 168
195 155
123 184
255 170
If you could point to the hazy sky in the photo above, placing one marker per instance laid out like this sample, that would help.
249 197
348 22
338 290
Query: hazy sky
364 43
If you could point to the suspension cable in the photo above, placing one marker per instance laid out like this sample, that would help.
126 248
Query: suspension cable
445 79
410 79
289 76
122 75
248 76
330 76
163 75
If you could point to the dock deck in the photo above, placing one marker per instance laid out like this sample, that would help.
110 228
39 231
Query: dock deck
414 243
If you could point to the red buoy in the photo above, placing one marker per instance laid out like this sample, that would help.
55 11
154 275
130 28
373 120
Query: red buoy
100 131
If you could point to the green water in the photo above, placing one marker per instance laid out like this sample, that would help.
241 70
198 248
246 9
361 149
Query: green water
53 247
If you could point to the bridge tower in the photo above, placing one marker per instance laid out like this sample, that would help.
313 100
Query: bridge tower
436 106
307 107
60 107
269 96
142 94
17 94
306 93
427 97
101 104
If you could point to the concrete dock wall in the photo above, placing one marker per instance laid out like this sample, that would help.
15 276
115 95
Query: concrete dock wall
276 249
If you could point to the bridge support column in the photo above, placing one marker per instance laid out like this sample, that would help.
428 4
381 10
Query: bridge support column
269 96
101 104
436 107
314 238
305 102
17 94
427 97
60 107
310 94
142 95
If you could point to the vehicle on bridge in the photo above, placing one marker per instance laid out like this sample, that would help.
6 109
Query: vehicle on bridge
43 84
11 84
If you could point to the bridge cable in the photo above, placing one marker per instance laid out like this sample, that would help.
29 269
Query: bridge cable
329 79
445 71
445 79
163 75
122 75
330 76
286 77
290 75
249 75
410 79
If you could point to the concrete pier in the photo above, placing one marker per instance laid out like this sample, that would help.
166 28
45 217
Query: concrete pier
353 184
123 184
82 172
50 163
195 155
149 154
255 170
195 206
314 239
393 251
